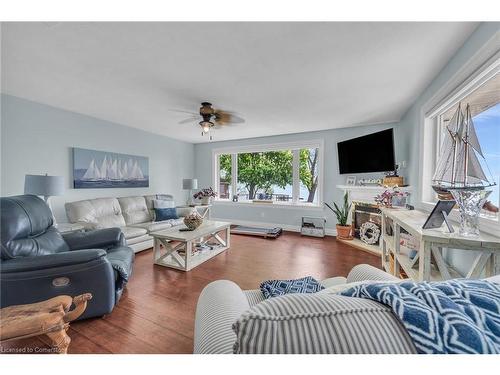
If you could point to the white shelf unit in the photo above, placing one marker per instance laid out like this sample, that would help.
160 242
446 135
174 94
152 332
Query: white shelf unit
407 264
431 245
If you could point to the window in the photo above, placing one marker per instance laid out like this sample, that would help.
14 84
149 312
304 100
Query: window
308 174
281 174
482 94
265 175
225 176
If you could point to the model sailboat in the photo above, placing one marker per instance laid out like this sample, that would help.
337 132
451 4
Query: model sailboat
459 165
459 172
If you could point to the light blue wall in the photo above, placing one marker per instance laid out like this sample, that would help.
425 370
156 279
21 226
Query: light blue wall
412 121
37 139
291 216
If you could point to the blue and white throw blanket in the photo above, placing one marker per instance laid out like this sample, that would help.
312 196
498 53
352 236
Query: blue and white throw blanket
273 288
455 316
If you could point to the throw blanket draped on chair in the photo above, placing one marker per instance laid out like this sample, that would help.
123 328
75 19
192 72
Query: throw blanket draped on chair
455 316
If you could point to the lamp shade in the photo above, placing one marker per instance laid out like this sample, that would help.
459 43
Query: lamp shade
43 185
190 183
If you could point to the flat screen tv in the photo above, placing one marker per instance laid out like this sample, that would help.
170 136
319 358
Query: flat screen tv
370 153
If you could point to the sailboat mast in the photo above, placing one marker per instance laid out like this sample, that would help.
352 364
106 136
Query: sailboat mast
466 141
454 159
455 146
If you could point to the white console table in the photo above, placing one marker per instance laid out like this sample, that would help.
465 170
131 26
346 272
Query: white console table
432 242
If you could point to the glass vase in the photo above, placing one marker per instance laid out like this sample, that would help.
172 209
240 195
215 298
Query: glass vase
470 202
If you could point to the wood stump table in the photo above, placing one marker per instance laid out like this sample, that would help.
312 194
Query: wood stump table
50 318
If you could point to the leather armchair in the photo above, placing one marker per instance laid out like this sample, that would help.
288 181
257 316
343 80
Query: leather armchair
38 262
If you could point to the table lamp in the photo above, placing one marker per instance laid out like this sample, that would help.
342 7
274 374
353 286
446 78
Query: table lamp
45 186
190 184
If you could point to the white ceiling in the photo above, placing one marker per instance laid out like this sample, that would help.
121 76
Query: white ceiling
281 77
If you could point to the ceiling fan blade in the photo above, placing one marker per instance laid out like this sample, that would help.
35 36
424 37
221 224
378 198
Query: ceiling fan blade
182 111
188 120
222 125
223 117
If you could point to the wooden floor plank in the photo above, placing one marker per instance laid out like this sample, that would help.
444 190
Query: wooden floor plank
156 311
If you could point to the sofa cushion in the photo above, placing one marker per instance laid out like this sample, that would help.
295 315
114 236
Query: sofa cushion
134 210
320 323
154 226
131 232
96 213
136 240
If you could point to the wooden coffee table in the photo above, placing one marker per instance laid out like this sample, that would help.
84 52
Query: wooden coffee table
186 250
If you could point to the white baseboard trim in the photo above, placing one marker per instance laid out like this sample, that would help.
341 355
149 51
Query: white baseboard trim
287 227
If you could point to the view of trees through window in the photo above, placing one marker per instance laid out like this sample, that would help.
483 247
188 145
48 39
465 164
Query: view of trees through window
269 175
225 177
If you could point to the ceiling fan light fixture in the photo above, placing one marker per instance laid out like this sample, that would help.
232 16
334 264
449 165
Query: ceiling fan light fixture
206 125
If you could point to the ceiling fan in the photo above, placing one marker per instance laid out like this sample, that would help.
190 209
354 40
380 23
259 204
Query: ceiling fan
212 118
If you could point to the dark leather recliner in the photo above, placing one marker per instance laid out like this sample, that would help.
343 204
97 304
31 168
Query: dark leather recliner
38 262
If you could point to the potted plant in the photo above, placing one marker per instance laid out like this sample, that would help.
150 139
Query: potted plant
342 213
205 195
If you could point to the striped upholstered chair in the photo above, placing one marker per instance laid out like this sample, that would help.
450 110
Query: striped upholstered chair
229 320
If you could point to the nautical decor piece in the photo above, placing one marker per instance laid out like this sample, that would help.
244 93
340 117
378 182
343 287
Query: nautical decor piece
369 233
98 169
459 171
193 220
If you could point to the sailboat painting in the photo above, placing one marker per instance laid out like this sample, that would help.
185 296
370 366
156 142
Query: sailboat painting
94 169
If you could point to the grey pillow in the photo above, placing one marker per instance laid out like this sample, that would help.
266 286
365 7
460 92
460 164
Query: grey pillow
163 203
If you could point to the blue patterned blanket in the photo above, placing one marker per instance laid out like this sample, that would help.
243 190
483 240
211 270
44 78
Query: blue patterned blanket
273 288
455 316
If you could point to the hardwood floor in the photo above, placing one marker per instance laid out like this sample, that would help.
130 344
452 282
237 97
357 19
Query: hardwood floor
156 311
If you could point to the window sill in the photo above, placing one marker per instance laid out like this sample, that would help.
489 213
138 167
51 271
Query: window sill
486 225
271 205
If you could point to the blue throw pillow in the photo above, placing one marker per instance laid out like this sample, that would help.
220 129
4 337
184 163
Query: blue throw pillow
165 214
274 288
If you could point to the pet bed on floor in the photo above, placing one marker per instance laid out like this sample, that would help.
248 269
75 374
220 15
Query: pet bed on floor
256 231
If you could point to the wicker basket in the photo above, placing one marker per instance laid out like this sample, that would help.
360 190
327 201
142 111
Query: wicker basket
402 273
193 220
393 181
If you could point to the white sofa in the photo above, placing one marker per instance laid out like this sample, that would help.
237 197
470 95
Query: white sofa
133 215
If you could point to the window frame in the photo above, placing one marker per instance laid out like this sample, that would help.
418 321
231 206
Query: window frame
284 146
431 133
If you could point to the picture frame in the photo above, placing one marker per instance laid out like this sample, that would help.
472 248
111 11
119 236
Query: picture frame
94 169
439 215
350 180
